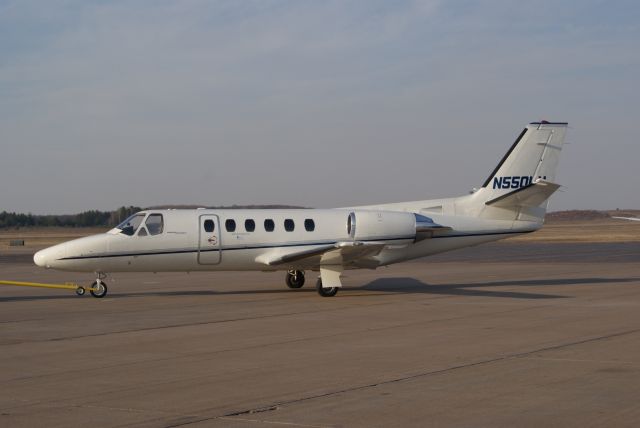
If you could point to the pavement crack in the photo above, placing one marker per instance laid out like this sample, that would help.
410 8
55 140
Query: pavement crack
430 373
191 324
253 411
265 422
208 354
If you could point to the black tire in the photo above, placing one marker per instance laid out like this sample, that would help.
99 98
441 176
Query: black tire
325 292
295 281
80 291
100 293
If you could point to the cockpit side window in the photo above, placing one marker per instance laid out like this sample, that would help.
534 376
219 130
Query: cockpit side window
130 225
155 224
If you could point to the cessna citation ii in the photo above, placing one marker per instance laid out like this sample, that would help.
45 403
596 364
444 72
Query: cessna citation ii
512 201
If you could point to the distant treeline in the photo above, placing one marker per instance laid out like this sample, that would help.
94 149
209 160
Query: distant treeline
96 218
92 218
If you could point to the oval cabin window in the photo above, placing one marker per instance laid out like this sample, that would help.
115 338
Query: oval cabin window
309 225
289 225
269 225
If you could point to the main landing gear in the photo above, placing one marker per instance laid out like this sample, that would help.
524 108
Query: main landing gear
295 278
331 276
326 292
329 280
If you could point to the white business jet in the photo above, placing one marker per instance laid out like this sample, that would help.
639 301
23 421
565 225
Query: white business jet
512 201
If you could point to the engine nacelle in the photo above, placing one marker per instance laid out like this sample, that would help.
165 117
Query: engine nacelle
381 225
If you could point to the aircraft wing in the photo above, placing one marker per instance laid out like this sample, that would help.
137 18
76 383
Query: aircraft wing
529 196
628 218
340 253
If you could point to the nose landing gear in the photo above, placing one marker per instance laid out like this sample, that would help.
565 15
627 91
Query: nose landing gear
99 287
295 278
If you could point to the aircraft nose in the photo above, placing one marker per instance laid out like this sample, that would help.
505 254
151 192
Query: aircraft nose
45 258
40 258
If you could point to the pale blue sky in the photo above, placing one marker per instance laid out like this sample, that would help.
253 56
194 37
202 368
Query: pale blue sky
314 103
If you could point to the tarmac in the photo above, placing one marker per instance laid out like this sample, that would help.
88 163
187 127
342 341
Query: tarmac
501 335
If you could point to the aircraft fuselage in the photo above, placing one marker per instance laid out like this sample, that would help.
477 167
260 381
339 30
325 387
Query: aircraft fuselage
212 240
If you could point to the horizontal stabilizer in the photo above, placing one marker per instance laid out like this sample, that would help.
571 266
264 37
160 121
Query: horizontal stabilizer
532 195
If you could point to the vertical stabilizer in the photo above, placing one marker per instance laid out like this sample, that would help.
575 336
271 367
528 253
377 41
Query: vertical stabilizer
529 166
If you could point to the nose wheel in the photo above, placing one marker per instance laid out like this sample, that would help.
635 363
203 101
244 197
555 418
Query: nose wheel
295 278
99 289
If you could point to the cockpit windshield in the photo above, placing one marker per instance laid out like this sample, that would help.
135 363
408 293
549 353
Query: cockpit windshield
130 225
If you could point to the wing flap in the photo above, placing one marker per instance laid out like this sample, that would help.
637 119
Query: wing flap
340 253
282 256
349 252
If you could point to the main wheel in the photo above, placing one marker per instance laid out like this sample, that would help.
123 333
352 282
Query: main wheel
295 279
325 292
101 289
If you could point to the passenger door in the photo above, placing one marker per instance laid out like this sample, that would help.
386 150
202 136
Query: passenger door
209 249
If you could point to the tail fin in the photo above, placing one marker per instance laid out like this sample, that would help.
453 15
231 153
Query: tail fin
519 187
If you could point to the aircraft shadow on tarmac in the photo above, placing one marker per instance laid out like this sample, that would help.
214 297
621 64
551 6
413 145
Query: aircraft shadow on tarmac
412 285
477 289
380 286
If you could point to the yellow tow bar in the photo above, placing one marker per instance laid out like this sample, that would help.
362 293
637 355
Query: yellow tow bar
97 289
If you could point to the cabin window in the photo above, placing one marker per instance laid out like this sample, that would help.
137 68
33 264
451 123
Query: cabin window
289 225
142 231
154 224
130 225
249 225
230 225
309 225
269 225
209 226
